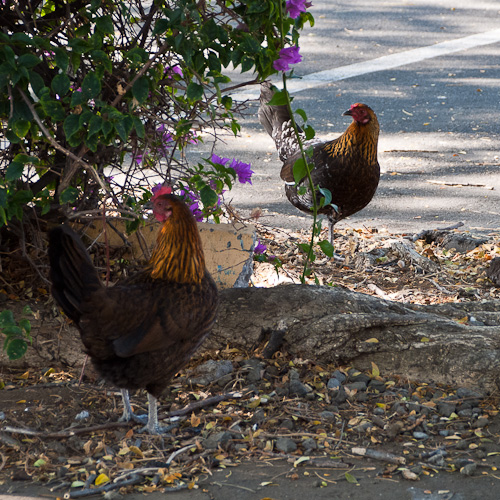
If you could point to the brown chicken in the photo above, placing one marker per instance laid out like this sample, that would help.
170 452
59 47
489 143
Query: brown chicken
144 329
346 166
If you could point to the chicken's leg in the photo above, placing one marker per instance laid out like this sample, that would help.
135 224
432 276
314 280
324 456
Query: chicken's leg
128 414
153 427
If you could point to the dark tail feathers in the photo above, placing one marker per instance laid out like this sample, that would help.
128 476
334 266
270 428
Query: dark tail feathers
72 273
277 122
271 117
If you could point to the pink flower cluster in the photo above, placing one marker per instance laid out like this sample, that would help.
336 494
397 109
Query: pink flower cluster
288 55
295 7
243 170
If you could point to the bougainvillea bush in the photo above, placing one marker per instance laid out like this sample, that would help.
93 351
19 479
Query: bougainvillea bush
100 99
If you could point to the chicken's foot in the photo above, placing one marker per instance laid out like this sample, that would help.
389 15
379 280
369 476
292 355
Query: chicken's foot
153 427
128 414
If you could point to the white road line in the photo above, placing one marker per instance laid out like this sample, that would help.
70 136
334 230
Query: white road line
382 63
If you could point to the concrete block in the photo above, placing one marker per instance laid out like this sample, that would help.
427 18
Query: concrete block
228 247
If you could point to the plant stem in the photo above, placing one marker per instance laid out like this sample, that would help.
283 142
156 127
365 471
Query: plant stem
304 158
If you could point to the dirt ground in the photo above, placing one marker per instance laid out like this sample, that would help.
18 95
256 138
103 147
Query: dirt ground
263 437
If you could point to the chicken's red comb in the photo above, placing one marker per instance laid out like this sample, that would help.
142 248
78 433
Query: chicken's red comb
159 190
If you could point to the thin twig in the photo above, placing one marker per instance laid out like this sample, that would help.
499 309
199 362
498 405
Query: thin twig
115 425
103 489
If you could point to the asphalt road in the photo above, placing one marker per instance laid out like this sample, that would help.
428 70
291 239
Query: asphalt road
438 108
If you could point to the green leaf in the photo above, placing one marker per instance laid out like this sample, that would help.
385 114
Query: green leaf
69 195
6 318
99 56
302 114
327 248
16 348
208 196
194 91
61 84
91 86
161 26
299 170
71 125
3 216
139 127
21 127
40 462
327 196
310 132
105 25
140 89
14 171
95 125
36 82
350 478
61 58
28 60
305 247
227 102
26 158
53 109
79 45
278 99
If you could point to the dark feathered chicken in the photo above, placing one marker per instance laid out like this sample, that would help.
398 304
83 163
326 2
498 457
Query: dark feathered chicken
346 166
144 329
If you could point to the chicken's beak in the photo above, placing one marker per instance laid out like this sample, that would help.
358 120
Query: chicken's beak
347 113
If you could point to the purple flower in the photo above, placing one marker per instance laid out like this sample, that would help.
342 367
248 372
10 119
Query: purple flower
176 70
288 55
260 248
192 202
295 7
217 159
138 158
243 171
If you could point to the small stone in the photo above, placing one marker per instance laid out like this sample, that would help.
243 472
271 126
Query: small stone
358 386
211 371
240 447
462 445
361 397
356 376
339 376
363 427
287 424
377 385
378 411
480 423
297 388
468 470
339 396
446 409
334 384
223 381
293 375
286 445
221 439
480 454
444 432
327 415
467 413
254 369
2 415
399 408
258 417
464 393
83 415
309 444
420 435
